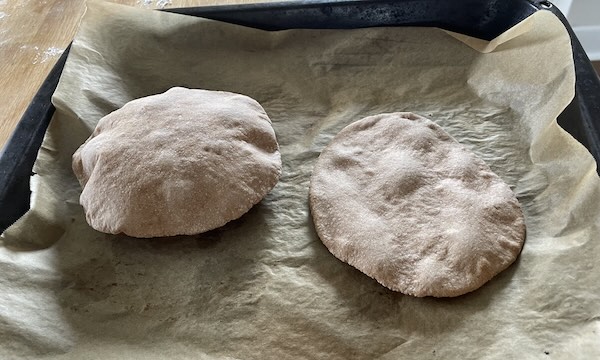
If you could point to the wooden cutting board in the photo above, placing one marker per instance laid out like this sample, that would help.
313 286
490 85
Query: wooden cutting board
33 34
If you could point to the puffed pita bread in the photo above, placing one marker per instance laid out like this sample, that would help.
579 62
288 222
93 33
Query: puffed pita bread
399 199
182 162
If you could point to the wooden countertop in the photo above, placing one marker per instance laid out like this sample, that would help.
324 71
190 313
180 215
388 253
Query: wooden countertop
33 34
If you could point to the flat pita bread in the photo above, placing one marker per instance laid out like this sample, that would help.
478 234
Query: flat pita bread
396 197
182 162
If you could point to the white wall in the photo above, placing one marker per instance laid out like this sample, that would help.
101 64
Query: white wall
584 17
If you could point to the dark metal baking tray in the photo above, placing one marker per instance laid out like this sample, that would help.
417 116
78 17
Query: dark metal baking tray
479 18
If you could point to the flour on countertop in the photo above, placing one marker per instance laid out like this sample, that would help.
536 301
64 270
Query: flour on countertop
42 57
161 4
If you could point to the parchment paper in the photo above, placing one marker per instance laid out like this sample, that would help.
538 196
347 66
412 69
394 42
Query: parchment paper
264 286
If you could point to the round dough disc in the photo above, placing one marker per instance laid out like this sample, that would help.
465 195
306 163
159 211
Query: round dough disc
399 199
178 163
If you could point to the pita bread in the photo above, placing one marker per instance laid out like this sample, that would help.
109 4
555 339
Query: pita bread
182 162
399 199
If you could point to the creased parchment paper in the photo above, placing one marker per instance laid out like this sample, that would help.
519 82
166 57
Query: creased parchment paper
264 286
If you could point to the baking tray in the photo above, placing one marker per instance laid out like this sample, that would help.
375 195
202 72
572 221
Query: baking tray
484 19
